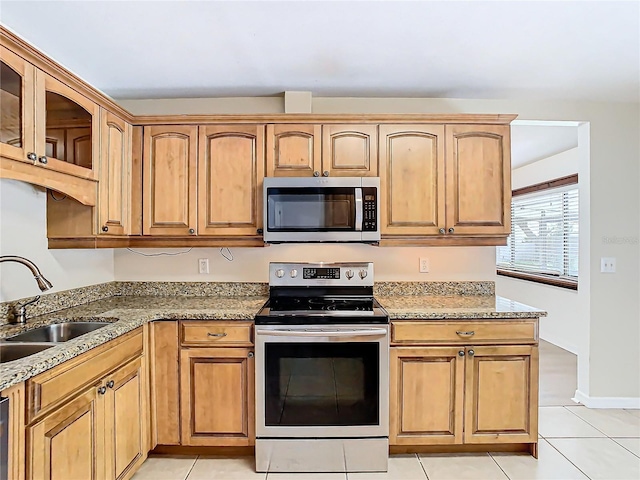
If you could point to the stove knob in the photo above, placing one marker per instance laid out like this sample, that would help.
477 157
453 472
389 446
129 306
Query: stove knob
280 273
363 274
348 274
293 273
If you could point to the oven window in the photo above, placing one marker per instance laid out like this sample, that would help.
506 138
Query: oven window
310 209
321 384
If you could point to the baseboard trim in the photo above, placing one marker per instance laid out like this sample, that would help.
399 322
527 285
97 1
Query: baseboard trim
606 402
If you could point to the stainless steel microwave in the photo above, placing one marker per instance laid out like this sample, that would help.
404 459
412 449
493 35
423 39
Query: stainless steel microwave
313 209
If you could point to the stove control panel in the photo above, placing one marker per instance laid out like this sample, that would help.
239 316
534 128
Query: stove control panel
312 274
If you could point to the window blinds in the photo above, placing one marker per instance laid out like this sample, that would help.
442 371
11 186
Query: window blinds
544 234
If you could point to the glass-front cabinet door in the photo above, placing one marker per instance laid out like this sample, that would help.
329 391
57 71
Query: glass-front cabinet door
67 126
16 115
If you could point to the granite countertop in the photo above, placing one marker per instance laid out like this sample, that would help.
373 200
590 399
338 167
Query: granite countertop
126 313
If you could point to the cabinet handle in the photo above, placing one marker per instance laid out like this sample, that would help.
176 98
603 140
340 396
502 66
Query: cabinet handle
325 173
105 228
102 390
461 353
442 230
250 355
110 384
471 353
451 230
44 160
466 334
32 156
316 174
216 334
192 231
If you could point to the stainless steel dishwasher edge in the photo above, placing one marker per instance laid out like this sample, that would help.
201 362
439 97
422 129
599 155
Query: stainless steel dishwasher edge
4 438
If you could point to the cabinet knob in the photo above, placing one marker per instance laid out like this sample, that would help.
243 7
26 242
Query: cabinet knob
442 230
461 353
105 228
102 390
471 352
110 384
451 230
192 231
325 173
250 355
32 156
260 231
44 160
316 174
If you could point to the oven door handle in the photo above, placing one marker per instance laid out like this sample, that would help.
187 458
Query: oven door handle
371 332
359 210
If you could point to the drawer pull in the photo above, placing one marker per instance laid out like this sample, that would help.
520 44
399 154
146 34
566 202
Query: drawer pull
466 334
216 334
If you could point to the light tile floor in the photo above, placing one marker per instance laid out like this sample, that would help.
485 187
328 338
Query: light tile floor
575 443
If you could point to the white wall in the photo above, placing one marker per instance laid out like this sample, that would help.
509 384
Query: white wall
556 166
23 232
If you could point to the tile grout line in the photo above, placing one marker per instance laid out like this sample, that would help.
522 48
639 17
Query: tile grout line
499 466
564 456
424 470
632 453
192 465
585 421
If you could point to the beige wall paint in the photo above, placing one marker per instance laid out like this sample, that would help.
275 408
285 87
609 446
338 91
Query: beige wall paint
23 232
556 166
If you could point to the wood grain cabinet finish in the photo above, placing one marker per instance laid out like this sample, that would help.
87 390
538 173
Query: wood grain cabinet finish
217 396
115 174
170 162
412 177
350 150
427 395
294 150
230 173
478 166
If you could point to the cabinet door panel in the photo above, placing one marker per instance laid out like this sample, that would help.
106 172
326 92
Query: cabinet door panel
350 150
501 395
427 386
169 179
412 179
114 175
17 130
479 179
231 168
293 150
68 443
125 419
217 397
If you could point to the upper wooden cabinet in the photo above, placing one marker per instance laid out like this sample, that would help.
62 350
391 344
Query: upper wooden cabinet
230 173
115 175
322 150
170 162
412 177
478 175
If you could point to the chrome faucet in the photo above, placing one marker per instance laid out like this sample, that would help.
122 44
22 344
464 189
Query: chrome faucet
20 311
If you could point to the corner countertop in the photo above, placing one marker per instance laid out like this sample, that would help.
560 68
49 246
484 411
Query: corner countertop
126 313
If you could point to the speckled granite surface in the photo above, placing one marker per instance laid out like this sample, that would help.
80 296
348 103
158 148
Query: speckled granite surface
434 288
477 307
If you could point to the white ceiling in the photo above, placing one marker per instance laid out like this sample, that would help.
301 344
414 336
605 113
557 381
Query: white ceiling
530 143
586 50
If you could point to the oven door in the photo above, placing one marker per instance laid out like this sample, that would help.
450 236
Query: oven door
322 381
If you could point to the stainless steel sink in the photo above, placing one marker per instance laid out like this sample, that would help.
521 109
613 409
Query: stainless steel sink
10 352
59 332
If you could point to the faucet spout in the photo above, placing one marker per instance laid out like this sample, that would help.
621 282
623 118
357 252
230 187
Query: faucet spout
43 283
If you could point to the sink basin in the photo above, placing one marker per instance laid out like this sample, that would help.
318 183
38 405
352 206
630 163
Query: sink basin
60 332
11 352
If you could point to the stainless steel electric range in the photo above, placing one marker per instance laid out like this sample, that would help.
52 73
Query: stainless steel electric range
322 371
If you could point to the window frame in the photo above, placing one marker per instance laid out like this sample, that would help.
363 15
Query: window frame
546 279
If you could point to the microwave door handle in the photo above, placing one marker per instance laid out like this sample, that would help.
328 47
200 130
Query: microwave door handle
359 209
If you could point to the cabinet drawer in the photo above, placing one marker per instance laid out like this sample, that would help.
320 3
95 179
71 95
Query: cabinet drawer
48 389
459 332
204 333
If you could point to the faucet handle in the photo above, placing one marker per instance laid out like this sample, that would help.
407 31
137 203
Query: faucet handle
20 311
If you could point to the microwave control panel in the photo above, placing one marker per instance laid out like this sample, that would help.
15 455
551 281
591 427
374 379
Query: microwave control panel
370 207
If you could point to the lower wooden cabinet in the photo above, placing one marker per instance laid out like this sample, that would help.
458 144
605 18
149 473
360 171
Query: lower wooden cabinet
465 394
217 396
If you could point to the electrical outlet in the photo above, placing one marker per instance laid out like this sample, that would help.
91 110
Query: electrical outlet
424 265
608 265
203 265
